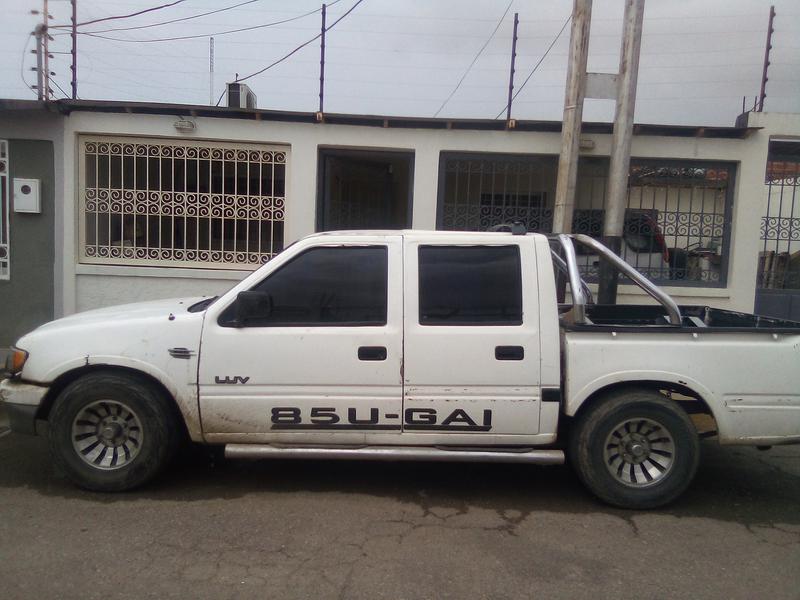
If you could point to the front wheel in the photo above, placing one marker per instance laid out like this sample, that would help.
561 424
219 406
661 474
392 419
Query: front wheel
635 449
111 432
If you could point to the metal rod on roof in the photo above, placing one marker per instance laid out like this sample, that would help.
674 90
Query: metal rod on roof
511 72
322 63
39 62
46 53
74 49
764 78
211 71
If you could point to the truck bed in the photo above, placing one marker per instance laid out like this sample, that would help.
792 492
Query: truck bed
654 317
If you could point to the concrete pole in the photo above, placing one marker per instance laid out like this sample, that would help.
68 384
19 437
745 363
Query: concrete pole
573 116
617 194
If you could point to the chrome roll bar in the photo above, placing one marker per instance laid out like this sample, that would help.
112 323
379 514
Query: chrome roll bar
579 296
575 287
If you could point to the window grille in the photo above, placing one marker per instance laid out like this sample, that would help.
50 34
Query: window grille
677 221
779 258
5 222
181 203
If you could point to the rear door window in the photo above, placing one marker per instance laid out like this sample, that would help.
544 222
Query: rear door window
470 285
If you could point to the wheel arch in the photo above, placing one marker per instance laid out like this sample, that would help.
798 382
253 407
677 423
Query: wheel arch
60 383
697 399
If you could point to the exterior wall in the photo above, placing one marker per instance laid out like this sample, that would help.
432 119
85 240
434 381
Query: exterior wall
32 294
82 286
305 140
26 299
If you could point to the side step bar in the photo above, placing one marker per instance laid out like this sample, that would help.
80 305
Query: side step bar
397 453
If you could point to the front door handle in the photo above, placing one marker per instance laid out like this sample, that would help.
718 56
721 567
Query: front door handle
372 353
509 352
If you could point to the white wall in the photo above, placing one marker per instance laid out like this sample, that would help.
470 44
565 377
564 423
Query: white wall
87 286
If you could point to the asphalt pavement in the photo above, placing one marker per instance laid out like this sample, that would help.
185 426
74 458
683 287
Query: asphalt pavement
211 528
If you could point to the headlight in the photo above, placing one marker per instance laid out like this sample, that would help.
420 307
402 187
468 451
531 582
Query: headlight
15 360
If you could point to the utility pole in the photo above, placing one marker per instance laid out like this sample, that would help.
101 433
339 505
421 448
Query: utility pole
74 67
211 71
573 116
322 63
764 78
511 72
619 166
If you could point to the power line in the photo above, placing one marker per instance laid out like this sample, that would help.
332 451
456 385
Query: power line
536 66
55 83
474 60
301 46
197 16
22 63
204 35
141 12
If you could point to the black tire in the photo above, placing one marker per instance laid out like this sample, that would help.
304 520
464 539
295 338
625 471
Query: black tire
155 419
635 412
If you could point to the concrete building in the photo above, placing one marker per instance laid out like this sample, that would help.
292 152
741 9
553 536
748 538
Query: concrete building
141 201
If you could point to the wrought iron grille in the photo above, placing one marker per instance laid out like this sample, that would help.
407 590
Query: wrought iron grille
779 259
677 222
5 222
479 191
181 203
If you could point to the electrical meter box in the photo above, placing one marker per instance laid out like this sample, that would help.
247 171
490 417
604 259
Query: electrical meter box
26 196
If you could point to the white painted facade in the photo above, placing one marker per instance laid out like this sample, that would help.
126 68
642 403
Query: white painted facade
84 286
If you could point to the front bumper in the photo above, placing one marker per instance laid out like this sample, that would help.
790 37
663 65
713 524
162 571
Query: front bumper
21 402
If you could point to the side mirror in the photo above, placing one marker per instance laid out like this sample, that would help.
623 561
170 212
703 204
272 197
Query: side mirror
252 306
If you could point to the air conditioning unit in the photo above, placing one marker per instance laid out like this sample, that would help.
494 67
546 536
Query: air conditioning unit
241 96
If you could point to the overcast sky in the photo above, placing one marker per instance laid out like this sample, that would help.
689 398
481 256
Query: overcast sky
404 57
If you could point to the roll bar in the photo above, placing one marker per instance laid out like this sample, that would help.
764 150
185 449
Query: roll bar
576 284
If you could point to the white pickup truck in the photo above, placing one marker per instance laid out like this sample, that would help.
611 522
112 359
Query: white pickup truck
411 346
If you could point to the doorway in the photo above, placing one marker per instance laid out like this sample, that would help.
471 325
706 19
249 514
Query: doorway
364 189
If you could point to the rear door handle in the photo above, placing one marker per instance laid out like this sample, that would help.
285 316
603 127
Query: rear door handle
372 353
509 352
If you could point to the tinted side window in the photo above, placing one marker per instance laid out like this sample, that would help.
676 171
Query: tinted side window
325 287
470 285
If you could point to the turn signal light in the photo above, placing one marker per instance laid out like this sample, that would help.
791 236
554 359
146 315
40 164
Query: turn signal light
16 360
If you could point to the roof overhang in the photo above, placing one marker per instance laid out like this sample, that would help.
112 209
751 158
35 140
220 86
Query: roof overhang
391 122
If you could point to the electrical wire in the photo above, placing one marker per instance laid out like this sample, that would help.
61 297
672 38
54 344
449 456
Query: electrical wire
536 66
474 60
55 83
141 12
22 65
189 18
204 35
297 49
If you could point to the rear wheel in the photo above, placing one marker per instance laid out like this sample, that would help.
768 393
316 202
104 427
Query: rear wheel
635 449
112 432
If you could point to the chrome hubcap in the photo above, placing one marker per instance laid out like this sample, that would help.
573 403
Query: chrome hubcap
639 452
107 434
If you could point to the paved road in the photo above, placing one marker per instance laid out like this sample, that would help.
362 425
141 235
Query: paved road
367 530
